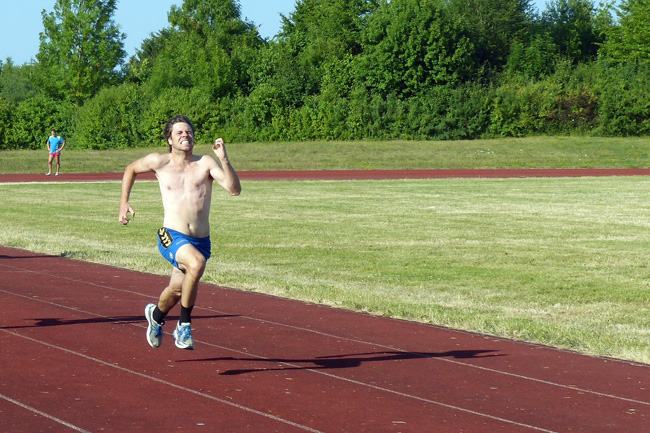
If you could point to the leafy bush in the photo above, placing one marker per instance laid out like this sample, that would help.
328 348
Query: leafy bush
5 123
33 119
451 113
534 60
111 119
190 102
624 107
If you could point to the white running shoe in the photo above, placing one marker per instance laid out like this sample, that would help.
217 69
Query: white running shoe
183 336
154 329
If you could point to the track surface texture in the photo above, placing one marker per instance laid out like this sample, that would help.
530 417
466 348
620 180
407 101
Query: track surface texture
74 358
355 174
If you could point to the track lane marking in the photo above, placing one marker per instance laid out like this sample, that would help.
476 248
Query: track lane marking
289 364
43 414
257 412
395 392
155 379
379 345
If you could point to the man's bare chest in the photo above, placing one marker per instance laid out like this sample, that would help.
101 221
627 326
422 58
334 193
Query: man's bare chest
191 182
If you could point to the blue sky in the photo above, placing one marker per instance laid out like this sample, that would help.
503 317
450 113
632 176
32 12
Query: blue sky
21 22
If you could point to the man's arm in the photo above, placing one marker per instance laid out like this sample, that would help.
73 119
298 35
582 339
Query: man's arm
225 176
142 165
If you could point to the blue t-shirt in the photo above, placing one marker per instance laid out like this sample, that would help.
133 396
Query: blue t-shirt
55 143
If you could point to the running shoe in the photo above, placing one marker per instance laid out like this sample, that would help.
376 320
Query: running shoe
183 336
154 329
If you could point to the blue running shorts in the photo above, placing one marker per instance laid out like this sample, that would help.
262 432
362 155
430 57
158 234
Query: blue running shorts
169 241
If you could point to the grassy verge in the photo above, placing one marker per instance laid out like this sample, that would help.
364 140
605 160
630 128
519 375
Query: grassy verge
536 152
562 262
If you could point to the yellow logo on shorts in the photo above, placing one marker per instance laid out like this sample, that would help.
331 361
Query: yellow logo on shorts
166 239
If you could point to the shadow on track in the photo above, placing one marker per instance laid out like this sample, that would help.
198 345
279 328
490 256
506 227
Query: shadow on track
345 361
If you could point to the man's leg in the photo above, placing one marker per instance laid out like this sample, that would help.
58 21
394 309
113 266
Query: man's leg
49 164
58 163
192 264
156 313
184 282
183 286
172 293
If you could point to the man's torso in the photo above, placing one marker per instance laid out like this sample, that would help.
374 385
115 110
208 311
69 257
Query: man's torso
54 143
186 191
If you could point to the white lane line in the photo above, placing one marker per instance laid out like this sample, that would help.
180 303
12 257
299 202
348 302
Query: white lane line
275 418
173 385
353 340
453 361
355 382
43 414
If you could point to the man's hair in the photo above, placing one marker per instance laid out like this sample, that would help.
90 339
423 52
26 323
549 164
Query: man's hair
174 120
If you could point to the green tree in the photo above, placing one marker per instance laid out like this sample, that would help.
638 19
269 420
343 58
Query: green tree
209 47
492 25
572 25
16 82
317 43
412 45
5 123
80 49
535 59
630 41
140 65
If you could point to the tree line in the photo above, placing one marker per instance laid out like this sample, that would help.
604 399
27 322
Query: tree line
337 70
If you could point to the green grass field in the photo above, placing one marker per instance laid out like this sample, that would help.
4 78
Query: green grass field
536 152
562 262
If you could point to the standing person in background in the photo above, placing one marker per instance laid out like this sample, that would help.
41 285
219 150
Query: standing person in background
55 145
185 182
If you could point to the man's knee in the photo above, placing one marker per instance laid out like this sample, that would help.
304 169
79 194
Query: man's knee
195 264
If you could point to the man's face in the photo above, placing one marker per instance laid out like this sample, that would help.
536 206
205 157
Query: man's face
181 137
53 133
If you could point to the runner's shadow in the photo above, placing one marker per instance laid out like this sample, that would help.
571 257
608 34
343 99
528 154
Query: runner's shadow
346 361
55 321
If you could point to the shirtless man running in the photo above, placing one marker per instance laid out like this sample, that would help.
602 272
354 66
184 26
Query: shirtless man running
185 182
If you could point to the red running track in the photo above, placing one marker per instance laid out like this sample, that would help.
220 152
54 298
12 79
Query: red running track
356 174
74 358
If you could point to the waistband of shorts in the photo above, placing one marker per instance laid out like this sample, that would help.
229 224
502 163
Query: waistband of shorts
176 232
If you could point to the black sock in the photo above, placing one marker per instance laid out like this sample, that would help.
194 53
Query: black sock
159 316
186 313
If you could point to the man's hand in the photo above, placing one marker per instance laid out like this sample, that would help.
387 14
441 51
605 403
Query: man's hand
125 210
226 176
220 149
